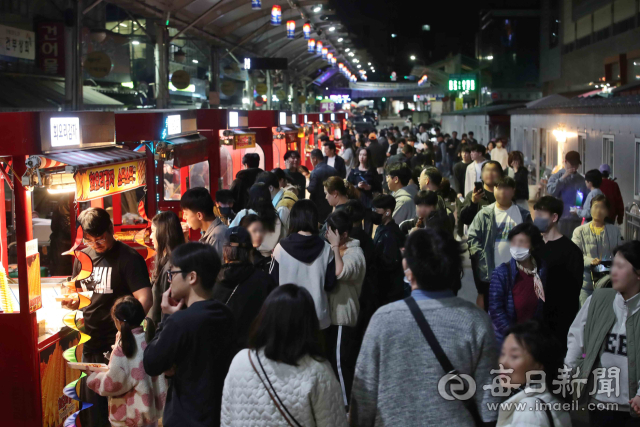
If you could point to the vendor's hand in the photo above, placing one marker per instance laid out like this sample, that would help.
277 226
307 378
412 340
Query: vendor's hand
635 404
169 305
70 303
333 237
595 261
477 195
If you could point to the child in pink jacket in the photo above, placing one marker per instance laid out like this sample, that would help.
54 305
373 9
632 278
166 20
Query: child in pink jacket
135 398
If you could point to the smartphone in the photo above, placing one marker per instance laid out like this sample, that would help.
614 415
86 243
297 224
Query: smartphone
478 185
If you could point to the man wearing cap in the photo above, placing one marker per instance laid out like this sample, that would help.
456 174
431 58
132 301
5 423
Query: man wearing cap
378 154
611 191
569 186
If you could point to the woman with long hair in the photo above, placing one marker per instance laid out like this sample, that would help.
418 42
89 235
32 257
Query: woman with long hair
366 179
241 286
339 191
259 203
254 226
348 154
282 379
166 234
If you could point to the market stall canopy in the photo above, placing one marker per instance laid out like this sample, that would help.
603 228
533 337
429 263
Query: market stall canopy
184 150
74 160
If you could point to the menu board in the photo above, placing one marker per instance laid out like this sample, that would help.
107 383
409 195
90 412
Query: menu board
33 276
101 181
244 141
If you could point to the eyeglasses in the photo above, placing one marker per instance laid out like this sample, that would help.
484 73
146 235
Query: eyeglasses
94 243
171 273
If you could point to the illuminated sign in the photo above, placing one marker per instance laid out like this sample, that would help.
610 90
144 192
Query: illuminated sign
305 118
65 131
320 117
233 119
333 117
283 118
266 63
340 99
293 118
174 124
462 82
247 63
102 181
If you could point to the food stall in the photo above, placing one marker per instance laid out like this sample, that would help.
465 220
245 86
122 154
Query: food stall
310 141
285 138
237 140
64 152
177 156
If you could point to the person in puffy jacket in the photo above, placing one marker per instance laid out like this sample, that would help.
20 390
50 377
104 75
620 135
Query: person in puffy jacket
245 179
282 379
516 291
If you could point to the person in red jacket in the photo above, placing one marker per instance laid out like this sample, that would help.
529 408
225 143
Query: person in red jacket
612 192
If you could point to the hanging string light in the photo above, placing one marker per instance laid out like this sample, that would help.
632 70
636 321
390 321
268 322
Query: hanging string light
325 52
319 47
333 61
329 57
291 29
341 66
256 4
306 29
276 15
311 44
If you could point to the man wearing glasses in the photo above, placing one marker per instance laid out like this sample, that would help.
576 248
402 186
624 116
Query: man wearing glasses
118 270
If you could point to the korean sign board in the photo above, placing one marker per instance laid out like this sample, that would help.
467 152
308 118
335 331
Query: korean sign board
62 131
101 181
17 43
51 48
462 82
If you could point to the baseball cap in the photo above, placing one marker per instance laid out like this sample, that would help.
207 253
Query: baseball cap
238 236
573 157
604 168
372 135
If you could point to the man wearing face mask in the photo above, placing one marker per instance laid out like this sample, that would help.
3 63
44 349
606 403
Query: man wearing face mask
224 206
564 269
387 255
488 235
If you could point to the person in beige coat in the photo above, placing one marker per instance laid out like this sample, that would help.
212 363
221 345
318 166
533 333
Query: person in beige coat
341 337
596 240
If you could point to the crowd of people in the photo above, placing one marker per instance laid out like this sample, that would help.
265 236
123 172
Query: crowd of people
329 297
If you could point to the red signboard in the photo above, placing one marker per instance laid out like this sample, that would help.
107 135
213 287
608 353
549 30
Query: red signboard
51 47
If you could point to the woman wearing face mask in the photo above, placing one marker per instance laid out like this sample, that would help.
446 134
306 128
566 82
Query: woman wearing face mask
596 240
530 347
516 292
500 154
605 335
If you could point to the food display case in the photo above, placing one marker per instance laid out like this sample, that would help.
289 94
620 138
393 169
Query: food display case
236 141
64 152
177 156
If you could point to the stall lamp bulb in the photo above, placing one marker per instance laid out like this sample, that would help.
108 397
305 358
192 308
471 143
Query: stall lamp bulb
135 42
195 61
62 190
317 9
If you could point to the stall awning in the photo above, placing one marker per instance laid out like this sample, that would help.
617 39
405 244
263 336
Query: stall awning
188 150
92 158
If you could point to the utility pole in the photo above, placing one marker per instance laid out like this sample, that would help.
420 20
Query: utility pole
162 67
73 57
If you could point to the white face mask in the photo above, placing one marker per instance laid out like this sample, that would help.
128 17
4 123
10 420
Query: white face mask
519 254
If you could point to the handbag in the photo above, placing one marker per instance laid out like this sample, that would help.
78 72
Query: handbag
442 357
281 407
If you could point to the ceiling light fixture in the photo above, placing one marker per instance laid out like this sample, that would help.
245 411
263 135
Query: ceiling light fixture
340 40
332 29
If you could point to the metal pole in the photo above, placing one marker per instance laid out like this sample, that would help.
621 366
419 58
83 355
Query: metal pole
162 68
269 90
215 72
78 98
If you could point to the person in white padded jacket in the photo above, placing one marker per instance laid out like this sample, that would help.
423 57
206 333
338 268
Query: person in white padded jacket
282 379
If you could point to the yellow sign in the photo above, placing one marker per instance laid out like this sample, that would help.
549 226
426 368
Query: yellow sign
459 104
102 181
261 88
281 95
302 99
181 79
244 141
98 64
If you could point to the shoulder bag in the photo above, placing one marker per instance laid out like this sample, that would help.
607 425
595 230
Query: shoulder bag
441 356
274 397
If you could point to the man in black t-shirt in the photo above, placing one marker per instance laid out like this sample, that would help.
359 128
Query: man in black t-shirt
564 263
118 270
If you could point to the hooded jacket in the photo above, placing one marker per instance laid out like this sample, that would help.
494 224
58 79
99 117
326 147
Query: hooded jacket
344 298
307 261
405 207
243 288
241 185
387 263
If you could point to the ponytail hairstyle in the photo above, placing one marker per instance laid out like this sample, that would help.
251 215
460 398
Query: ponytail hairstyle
130 313
342 186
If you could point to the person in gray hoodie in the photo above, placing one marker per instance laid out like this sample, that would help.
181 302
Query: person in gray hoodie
398 177
306 259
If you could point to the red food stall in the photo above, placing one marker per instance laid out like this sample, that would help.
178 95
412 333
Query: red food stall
310 124
285 137
64 152
177 156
